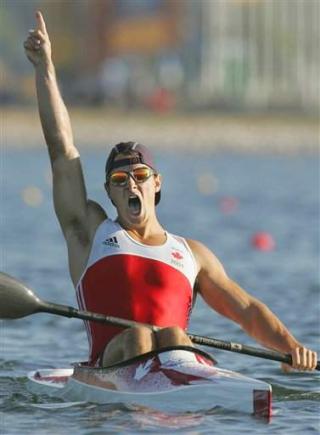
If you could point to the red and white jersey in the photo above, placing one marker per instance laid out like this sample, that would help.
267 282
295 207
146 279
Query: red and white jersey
125 278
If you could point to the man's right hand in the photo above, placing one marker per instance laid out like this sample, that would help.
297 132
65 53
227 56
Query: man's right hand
37 45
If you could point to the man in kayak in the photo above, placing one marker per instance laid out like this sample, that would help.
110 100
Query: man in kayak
132 267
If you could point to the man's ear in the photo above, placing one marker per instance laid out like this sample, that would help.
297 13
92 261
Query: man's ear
158 182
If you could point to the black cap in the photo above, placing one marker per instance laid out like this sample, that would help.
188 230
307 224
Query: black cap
137 153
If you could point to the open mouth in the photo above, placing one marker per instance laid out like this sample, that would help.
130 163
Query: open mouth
134 204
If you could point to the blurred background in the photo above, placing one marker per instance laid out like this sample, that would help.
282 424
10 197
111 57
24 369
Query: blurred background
210 74
165 55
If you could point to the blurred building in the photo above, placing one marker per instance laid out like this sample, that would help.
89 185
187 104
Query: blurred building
260 53
167 54
134 52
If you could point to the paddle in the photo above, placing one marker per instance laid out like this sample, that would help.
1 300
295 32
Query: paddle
19 301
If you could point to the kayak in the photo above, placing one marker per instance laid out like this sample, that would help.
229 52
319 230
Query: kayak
179 378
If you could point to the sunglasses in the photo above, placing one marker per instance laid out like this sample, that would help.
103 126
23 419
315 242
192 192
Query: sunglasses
121 178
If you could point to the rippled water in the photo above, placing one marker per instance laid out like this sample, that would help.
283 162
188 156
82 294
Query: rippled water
279 195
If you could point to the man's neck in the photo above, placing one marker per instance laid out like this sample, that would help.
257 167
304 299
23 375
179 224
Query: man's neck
151 234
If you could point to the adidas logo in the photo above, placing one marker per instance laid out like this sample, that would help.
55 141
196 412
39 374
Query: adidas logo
112 242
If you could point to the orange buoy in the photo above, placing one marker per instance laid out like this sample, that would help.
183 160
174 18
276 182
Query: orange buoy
263 241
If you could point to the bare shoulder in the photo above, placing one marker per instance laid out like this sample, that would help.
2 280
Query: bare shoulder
96 213
208 263
82 230
201 252
195 245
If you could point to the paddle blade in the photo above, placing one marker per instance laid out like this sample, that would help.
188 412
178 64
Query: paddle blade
16 300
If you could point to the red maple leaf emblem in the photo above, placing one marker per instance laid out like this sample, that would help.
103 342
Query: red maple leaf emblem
177 255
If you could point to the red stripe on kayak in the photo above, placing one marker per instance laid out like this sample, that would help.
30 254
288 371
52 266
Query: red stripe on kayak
262 403
56 379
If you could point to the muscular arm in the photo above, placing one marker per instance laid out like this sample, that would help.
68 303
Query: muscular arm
229 299
69 191
78 217
54 116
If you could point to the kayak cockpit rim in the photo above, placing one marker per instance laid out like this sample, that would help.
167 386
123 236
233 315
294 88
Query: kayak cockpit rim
143 356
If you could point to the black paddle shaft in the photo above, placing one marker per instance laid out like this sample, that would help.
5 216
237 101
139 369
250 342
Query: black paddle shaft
66 311
242 348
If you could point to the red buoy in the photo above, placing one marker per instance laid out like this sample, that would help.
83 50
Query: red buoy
263 241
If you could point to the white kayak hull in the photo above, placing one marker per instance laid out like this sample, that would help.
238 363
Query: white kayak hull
176 379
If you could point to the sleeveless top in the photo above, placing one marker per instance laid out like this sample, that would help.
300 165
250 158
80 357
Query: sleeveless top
125 278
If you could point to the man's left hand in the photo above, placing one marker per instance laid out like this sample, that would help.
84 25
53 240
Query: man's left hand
303 359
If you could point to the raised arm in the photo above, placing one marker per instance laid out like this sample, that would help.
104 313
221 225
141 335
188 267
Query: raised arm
78 217
229 299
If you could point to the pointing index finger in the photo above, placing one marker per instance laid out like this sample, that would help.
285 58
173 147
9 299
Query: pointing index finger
41 25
